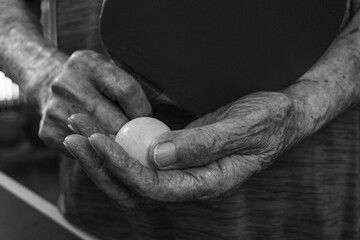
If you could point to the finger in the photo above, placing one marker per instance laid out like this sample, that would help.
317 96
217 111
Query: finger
130 171
108 115
197 146
83 124
118 85
85 97
53 135
80 148
53 130
173 186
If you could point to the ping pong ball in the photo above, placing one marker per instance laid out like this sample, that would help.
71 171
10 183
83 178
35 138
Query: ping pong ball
136 136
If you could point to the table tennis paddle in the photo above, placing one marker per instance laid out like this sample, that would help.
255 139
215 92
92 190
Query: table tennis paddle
206 53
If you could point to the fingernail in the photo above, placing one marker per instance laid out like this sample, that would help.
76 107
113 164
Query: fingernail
70 127
72 124
70 119
67 146
165 154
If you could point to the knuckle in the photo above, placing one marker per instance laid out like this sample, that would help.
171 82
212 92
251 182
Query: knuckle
108 82
82 54
62 89
202 143
80 58
58 85
53 114
51 134
129 88
283 100
48 111
93 106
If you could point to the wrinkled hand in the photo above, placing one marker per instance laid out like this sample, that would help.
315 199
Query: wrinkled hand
216 153
89 83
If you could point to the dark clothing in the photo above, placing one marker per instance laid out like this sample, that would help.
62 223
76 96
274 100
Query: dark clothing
311 192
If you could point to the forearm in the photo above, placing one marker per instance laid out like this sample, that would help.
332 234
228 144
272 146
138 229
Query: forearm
25 55
332 85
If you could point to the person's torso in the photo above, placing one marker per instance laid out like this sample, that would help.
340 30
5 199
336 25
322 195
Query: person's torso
183 48
77 25
311 192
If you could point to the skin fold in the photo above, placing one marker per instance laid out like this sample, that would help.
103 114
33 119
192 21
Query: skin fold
211 157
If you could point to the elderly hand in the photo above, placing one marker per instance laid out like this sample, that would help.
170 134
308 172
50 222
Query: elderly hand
216 153
89 83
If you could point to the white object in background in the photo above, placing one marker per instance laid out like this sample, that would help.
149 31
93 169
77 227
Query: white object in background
8 89
2 87
15 91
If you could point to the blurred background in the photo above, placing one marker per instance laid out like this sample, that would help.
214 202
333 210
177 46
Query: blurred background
23 156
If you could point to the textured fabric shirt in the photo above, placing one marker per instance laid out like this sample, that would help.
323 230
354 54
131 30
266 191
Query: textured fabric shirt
310 192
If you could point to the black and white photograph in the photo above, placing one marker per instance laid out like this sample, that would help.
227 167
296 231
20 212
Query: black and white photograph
179 120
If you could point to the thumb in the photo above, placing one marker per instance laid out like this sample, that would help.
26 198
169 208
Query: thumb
192 147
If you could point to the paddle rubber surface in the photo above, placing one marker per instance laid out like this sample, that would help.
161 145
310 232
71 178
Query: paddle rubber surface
206 53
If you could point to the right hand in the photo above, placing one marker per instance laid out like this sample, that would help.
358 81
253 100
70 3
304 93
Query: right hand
91 84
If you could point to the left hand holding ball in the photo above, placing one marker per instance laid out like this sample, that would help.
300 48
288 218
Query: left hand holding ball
208 159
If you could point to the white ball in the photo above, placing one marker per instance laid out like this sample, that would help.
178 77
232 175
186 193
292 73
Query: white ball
136 136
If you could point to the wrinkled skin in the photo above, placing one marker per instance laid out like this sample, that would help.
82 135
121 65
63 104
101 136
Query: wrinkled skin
214 155
89 83
227 147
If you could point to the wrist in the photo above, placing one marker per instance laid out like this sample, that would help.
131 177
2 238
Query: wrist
30 60
39 78
332 85
310 104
